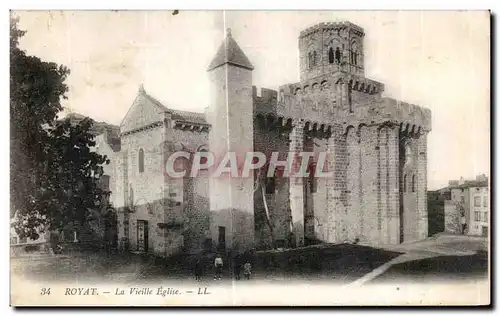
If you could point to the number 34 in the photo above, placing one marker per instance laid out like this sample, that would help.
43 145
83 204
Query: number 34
45 291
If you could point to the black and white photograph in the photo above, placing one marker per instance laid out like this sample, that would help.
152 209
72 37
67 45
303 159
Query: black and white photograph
249 158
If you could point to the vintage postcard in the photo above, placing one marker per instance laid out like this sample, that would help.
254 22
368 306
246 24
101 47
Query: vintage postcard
249 158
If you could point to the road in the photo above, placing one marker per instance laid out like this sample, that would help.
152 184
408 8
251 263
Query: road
443 258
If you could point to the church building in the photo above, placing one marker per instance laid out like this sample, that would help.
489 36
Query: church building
376 149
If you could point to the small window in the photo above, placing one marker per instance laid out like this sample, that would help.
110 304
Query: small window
413 184
313 181
270 185
462 199
313 185
485 201
477 201
310 60
331 56
485 217
315 58
203 160
141 160
131 196
13 240
477 216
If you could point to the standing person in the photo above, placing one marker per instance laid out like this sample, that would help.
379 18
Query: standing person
463 223
218 267
247 270
198 270
237 267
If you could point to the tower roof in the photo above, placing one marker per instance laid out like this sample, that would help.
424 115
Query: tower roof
334 26
229 52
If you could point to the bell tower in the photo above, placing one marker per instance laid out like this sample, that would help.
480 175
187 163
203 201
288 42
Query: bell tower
230 114
331 47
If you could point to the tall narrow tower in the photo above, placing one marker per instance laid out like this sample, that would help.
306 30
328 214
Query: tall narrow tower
231 115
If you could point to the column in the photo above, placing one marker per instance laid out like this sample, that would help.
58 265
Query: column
422 215
367 218
168 212
126 202
336 185
393 186
297 185
383 185
354 188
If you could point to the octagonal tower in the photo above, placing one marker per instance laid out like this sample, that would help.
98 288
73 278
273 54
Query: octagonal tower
331 47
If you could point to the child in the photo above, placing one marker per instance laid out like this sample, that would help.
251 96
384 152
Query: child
218 267
237 268
198 270
247 270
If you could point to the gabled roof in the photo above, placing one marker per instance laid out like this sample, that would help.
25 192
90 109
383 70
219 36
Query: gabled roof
186 116
230 53
144 102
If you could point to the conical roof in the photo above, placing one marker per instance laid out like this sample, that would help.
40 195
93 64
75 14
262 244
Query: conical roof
229 52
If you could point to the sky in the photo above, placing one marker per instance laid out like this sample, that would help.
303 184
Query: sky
436 59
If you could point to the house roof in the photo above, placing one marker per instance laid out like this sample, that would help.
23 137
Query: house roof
473 184
186 116
230 53
466 185
109 130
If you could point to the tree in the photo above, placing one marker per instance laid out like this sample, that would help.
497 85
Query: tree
453 217
54 175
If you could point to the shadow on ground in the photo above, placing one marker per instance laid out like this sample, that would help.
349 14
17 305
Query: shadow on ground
329 263
438 269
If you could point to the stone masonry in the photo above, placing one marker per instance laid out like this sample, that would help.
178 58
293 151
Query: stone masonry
376 149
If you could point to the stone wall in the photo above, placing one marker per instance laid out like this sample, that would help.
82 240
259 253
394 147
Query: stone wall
231 198
269 136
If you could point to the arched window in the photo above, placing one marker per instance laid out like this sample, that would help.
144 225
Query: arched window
354 53
315 58
337 55
404 183
141 160
413 183
331 56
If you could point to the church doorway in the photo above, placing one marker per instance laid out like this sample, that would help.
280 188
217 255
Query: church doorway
222 239
142 236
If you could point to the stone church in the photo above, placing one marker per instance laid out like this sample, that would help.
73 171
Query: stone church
376 148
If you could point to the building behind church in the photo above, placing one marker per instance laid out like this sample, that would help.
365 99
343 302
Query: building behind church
461 202
376 148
